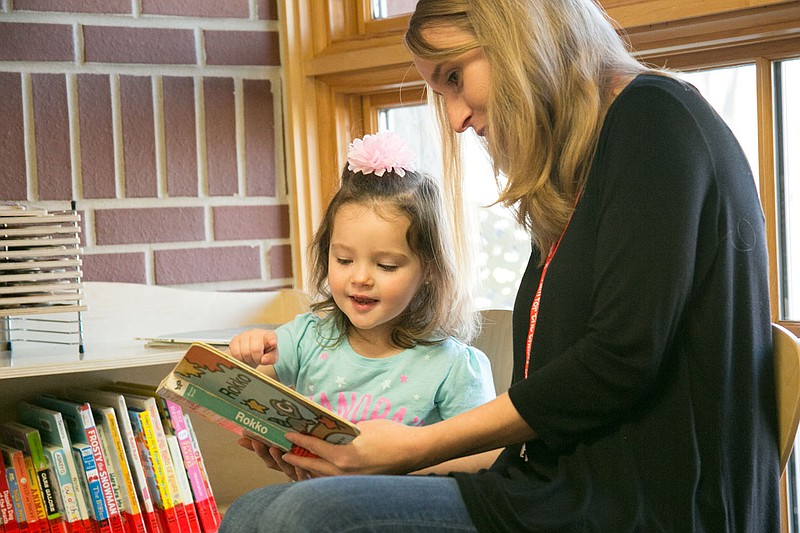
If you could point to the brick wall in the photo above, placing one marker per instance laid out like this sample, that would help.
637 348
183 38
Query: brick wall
162 119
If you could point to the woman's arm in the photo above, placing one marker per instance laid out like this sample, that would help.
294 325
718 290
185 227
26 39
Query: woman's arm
385 447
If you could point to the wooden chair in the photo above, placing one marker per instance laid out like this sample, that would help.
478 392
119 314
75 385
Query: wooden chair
495 341
786 348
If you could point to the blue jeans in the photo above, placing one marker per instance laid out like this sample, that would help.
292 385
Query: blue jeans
351 504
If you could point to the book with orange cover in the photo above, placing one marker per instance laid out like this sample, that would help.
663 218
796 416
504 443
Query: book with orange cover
27 515
8 515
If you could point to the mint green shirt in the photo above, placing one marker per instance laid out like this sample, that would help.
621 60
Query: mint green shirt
418 386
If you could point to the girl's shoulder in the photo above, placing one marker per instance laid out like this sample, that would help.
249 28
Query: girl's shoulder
455 349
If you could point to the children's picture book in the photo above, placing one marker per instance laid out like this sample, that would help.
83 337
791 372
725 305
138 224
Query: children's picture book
216 386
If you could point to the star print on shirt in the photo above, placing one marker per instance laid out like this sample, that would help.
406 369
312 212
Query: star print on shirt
427 357
386 384
341 382
403 378
416 397
310 388
323 356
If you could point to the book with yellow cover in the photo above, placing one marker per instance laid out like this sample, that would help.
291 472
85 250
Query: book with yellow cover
213 384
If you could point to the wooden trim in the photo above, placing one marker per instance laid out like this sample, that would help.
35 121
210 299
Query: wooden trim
632 13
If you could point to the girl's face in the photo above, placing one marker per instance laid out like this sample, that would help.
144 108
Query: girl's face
372 273
463 82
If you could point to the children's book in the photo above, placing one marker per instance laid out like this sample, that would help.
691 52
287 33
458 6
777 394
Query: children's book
83 430
44 487
163 499
57 459
226 391
53 431
173 420
90 482
8 516
20 484
144 496
16 498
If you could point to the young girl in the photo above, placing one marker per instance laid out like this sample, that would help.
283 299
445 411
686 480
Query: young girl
380 343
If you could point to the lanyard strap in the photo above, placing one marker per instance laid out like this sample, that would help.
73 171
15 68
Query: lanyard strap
538 296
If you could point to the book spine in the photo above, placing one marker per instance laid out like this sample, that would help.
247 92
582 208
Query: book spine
140 476
56 457
93 439
168 516
51 502
7 515
16 499
26 493
91 480
81 496
133 515
204 502
187 502
211 505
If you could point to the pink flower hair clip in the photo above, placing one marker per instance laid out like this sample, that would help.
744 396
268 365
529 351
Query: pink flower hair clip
380 152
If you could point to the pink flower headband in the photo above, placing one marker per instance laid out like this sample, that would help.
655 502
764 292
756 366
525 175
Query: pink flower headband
378 153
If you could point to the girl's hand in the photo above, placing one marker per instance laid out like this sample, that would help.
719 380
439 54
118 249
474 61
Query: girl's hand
255 347
383 447
272 457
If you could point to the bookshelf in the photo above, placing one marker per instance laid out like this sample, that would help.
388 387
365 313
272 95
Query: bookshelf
116 314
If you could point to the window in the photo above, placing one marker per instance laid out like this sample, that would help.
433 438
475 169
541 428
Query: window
504 245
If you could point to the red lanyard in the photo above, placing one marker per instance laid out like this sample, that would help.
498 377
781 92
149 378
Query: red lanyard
538 296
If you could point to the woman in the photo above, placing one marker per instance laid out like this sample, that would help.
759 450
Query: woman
643 395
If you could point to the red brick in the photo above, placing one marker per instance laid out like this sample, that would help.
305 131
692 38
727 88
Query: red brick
251 222
150 46
202 265
75 6
280 261
13 183
161 224
51 124
97 136
216 9
242 48
259 138
124 268
267 9
180 136
220 111
138 136
35 42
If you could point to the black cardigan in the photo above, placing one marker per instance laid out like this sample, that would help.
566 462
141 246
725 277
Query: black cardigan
651 382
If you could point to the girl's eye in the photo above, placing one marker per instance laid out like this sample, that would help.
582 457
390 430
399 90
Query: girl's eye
454 78
343 261
388 268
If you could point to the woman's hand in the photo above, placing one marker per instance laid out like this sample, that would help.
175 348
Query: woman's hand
273 458
383 447
255 347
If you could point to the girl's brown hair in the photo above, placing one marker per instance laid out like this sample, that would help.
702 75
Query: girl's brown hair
440 308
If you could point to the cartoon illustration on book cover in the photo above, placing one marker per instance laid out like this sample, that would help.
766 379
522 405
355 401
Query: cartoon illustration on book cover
274 403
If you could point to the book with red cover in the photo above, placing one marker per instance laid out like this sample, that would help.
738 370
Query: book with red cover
7 514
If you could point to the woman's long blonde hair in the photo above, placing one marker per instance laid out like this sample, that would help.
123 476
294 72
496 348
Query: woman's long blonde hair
553 65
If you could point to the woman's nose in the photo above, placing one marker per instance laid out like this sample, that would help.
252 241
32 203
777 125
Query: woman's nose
459 115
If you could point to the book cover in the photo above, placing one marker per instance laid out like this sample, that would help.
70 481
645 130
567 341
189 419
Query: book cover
83 430
166 508
53 431
143 491
56 458
45 493
245 401
90 481
15 458
8 516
